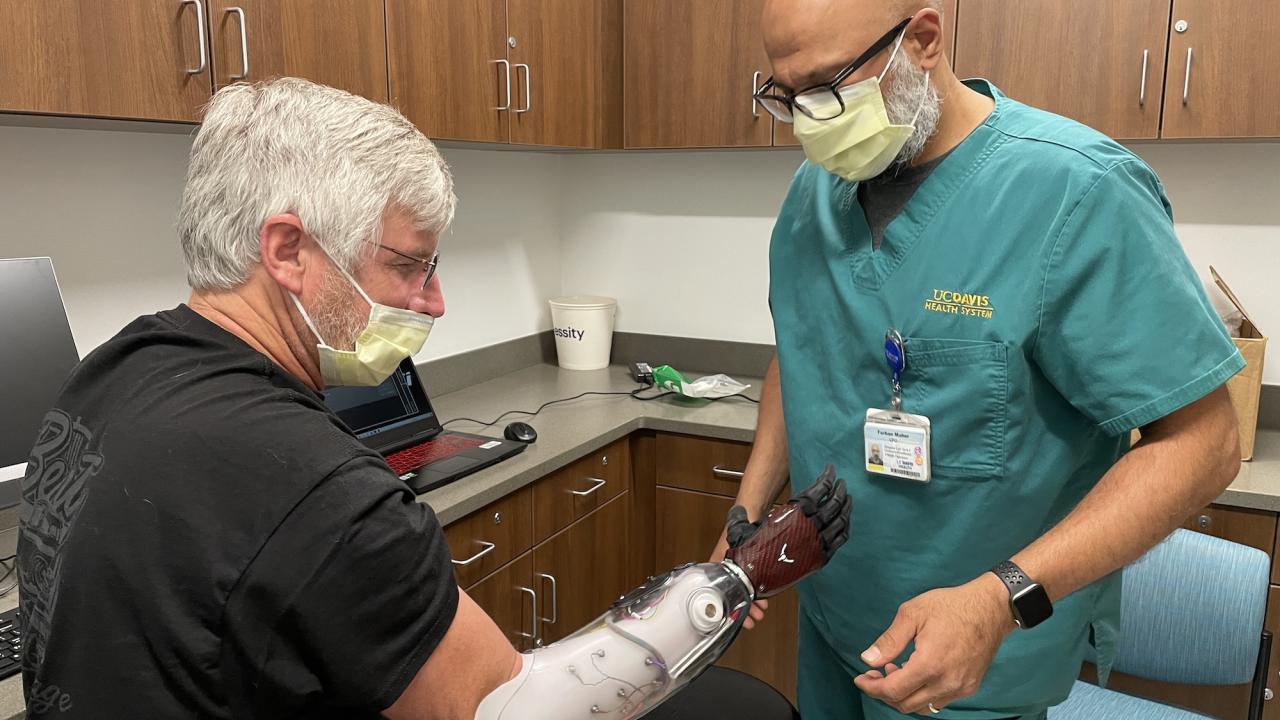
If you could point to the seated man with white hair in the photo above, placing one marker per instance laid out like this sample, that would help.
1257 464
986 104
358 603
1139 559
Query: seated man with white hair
202 537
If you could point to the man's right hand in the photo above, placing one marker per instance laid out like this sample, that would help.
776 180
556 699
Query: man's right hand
758 607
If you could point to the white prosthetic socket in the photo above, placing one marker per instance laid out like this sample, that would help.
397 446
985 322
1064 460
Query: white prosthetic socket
651 643
662 635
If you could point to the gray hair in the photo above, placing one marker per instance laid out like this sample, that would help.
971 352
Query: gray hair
337 161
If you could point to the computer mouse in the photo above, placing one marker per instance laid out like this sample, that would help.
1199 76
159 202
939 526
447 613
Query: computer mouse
520 432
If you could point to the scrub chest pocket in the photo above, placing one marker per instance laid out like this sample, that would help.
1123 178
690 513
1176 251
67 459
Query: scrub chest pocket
962 386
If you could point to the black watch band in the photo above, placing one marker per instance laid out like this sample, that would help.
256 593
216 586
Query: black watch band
1027 598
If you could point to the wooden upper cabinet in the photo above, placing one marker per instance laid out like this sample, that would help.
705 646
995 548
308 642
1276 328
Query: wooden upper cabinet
690 68
341 43
566 67
1229 89
129 59
448 67
1097 61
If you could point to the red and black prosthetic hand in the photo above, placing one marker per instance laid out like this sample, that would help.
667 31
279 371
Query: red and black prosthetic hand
794 540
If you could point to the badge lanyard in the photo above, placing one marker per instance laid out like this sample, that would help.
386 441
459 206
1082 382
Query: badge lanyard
897 443
895 354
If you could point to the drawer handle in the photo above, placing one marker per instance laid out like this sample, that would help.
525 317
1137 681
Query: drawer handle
555 595
1204 521
488 548
598 484
533 611
726 473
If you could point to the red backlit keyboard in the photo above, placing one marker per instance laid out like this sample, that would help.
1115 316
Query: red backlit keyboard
412 458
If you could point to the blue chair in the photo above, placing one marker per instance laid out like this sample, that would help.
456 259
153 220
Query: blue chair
1191 613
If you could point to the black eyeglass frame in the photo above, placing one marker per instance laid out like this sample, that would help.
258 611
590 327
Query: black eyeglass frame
788 98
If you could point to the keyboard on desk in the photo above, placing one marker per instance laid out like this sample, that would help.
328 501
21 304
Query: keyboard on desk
412 458
10 643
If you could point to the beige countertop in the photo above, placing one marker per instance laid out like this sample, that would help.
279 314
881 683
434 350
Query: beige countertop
567 431
1258 484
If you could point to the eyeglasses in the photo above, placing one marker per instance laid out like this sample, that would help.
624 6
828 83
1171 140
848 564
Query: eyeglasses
429 266
821 101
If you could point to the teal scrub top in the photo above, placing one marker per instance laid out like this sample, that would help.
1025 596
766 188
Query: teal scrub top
1048 308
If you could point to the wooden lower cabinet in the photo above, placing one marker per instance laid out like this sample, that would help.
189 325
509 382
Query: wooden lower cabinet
507 596
582 570
1255 528
688 526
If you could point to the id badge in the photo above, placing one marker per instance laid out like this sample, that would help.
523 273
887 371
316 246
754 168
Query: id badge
897 444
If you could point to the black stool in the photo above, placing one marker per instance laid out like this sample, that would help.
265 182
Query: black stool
724 693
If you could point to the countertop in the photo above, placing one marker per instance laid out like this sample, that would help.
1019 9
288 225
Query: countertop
1258 484
572 429
567 431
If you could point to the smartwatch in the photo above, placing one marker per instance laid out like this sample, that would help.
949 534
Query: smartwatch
1027 598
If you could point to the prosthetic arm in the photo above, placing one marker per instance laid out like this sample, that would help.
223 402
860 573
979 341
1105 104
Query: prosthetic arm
660 636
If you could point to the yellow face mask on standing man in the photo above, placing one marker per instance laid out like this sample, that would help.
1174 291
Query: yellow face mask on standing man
850 135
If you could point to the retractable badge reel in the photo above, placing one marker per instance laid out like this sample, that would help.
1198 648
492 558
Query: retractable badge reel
897 442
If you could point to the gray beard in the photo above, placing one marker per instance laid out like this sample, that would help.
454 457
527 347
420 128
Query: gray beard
338 314
907 91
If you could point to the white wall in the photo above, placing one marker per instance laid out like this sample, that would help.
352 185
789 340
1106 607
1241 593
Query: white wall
502 260
102 204
681 238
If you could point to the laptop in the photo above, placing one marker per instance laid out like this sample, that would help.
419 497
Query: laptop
396 419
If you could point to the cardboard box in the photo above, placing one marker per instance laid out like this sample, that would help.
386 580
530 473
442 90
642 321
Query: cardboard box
1246 386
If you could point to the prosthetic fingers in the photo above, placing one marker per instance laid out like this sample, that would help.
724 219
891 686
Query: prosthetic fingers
656 639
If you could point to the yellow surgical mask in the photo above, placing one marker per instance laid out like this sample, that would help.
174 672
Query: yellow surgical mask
859 143
390 335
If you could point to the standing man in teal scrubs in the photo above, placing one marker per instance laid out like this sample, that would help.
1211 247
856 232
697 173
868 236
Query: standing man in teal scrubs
994 296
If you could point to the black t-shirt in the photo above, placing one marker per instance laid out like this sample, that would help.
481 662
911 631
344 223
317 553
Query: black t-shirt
202 538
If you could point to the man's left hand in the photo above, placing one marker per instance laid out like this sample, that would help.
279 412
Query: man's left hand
957 632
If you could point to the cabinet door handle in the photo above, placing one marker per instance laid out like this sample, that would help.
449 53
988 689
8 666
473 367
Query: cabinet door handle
555 596
1186 80
533 608
598 484
244 44
488 548
528 88
1142 89
726 474
201 42
755 87
506 103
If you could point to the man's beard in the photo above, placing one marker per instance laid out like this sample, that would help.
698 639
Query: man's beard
908 90
340 315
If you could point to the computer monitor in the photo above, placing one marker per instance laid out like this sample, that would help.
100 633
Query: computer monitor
37 353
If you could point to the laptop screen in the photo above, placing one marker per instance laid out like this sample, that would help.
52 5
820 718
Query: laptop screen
397 409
